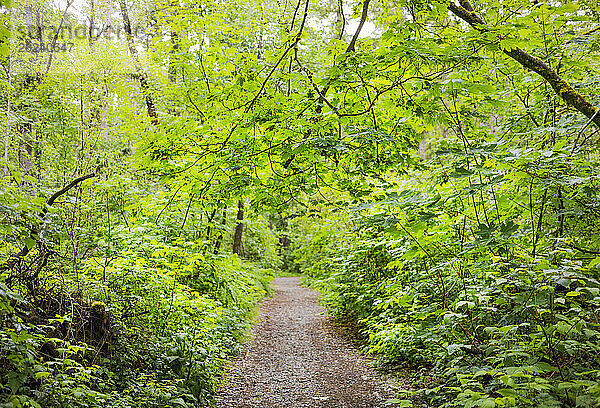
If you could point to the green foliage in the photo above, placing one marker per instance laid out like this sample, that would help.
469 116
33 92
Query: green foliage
440 193
146 319
261 244
474 273
175 316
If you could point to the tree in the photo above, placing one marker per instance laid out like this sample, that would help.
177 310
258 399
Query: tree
560 86
239 229
438 191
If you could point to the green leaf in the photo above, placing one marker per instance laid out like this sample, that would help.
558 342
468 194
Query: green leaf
594 262
508 392
508 381
30 242
400 403
563 327
178 401
18 177
544 367
486 403
42 374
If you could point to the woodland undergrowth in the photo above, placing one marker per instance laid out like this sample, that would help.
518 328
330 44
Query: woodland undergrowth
478 272
431 166
113 307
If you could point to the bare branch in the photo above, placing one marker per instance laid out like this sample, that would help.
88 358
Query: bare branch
281 58
25 250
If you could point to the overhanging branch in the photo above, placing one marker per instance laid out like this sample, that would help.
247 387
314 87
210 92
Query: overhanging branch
561 87
25 250
361 23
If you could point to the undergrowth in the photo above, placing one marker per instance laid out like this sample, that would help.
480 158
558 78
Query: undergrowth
491 288
146 318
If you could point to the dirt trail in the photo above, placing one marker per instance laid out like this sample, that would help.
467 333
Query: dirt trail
296 358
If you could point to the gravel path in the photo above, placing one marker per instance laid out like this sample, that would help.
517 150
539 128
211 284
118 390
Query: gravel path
297 358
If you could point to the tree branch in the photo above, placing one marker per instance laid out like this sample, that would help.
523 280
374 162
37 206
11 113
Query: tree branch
25 250
561 87
69 186
55 38
294 43
363 18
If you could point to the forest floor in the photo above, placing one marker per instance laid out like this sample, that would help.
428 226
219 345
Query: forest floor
297 357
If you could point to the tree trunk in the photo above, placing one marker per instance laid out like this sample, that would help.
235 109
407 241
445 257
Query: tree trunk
8 113
210 217
239 230
220 237
25 151
174 44
141 75
92 22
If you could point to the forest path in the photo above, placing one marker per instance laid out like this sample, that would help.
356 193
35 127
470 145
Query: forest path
296 357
